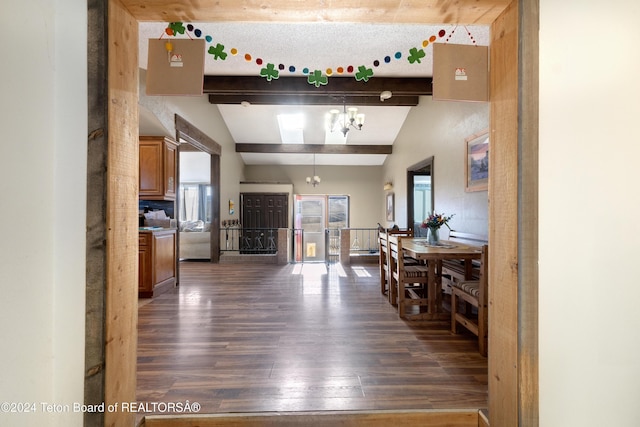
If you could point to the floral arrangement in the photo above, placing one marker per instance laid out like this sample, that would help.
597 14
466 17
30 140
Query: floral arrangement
436 221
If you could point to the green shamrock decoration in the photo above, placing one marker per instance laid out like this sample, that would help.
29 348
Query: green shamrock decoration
316 78
177 28
364 73
218 52
415 55
270 73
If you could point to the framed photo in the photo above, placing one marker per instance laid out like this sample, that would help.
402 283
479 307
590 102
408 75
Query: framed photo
477 162
390 207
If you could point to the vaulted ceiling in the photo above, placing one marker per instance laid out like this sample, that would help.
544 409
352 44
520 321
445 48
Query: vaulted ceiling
299 38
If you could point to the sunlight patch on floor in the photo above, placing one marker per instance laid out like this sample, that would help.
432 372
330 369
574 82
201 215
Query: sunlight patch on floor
360 271
310 271
339 270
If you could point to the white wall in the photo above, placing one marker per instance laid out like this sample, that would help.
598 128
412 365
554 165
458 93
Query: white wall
589 226
43 186
439 129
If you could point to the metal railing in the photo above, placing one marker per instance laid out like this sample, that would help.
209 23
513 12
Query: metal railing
249 240
332 245
364 241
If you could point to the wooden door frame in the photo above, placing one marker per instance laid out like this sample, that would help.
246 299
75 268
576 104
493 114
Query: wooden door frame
412 171
201 141
513 362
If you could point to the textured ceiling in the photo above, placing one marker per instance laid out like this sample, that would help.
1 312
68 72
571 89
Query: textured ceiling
318 46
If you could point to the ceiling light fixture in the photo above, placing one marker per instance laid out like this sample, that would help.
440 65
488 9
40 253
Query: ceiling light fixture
315 180
349 118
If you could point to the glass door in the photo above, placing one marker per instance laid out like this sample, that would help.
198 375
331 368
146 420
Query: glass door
310 219
338 218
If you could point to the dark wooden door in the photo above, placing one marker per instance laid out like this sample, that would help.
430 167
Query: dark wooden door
261 215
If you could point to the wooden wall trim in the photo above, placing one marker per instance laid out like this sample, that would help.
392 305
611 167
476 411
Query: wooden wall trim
529 19
480 12
97 149
215 210
503 220
122 214
196 137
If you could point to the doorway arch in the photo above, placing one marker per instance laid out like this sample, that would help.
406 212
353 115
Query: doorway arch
188 134
420 199
513 383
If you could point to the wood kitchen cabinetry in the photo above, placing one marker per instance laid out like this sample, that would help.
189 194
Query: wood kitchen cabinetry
157 261
158 168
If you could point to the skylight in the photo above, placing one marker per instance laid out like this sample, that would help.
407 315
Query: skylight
291 126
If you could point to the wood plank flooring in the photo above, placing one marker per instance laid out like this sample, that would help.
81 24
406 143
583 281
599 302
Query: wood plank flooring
260 338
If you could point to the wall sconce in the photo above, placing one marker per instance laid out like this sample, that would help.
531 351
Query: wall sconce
388 186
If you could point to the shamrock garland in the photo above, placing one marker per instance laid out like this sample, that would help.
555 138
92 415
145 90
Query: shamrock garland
218 52
415 55
270 72
316 77
364 73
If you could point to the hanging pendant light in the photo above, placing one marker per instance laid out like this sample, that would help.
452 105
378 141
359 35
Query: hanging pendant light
315 180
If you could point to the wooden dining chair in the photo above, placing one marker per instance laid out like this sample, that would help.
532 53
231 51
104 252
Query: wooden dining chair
472 294
384 259
408 281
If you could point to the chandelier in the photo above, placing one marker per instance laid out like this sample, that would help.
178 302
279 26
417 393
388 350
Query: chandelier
349 118
315 180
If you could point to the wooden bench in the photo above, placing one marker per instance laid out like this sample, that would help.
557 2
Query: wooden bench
458 270
472 294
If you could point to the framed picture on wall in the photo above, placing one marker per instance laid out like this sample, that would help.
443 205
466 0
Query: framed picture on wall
390 208
477 162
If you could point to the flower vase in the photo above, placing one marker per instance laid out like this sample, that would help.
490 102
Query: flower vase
433 235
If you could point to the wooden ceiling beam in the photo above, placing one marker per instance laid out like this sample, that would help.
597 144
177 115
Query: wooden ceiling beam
313 148
337 87
298 91
395 101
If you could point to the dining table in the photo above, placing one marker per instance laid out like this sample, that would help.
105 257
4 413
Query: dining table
433 255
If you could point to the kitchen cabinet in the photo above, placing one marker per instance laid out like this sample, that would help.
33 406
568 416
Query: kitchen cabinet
158 168
157 261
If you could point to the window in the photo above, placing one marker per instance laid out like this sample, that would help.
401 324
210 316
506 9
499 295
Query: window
195 202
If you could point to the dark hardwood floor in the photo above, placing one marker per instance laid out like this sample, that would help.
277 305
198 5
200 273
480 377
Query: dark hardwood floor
255 338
